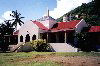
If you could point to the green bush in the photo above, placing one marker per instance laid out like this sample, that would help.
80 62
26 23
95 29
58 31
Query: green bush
40 45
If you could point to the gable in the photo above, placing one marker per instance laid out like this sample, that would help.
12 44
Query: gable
28 28
76 25
65 25
40 25
94 29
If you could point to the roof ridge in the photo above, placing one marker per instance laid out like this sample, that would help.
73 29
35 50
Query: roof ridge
40 25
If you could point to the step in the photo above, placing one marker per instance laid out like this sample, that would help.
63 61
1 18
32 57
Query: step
15 47
62 47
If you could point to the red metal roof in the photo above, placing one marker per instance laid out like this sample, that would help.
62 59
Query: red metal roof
59 26
16 33
94 29
65 25
40 25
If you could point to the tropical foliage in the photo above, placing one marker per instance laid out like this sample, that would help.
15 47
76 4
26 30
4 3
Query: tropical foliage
90 12
7 29
40 45
17 19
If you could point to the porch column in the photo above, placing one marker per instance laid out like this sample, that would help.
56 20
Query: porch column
9 39
30 37
47 37
65 37
57 40
38 35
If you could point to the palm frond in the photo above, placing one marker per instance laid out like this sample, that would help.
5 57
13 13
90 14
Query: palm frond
22 17
17 18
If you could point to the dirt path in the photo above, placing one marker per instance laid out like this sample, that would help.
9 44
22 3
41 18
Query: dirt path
64 61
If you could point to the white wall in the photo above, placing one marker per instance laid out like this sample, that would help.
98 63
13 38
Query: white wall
80 26
31 28
48 23
45 23
51 23
65 19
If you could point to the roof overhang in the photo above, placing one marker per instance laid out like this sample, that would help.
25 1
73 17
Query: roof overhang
61 30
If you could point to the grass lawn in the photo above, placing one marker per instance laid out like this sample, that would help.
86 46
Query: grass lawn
50 59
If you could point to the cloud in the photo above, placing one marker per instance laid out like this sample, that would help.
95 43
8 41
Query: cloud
64 6
1 21
7 16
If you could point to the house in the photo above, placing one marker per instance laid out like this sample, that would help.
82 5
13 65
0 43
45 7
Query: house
94 37
58 34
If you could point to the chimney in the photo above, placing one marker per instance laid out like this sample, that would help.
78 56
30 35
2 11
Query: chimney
70 17
76 16
65 19
47 11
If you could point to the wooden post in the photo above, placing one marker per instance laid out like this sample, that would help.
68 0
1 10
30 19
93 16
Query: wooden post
9 39
38 35
47 37
65 37
57 40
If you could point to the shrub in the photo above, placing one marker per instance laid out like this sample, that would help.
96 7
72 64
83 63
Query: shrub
84 43
40 45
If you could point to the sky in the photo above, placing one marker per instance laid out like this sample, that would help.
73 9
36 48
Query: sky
35 9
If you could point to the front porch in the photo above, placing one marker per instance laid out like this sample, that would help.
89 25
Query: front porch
58 37
60 41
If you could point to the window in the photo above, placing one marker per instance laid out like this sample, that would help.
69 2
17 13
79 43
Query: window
27 38
34 37
21 38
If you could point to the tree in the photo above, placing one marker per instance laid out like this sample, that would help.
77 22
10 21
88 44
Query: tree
16 19
90 12
5 29
8 27
84 43
97 4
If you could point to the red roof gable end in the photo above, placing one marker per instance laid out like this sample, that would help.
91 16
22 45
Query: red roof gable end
16 33
65 25
40 25
94 29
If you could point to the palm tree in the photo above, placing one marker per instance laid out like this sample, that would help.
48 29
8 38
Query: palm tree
17 19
